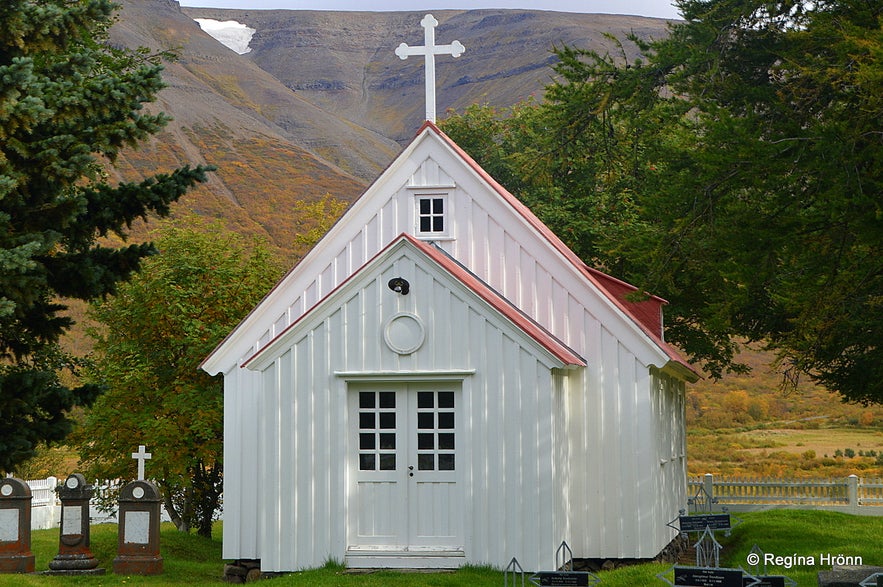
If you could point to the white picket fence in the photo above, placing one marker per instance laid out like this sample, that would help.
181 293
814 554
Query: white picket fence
46 507
851 495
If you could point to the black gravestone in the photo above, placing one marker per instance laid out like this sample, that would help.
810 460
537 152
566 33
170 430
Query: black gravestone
138 551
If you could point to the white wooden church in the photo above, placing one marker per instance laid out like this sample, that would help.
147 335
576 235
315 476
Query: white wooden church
441 381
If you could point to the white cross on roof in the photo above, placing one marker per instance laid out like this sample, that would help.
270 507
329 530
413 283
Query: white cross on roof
429 51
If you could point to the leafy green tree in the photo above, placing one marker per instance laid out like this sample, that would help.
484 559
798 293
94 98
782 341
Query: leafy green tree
68 103
315 218
151 337
746 152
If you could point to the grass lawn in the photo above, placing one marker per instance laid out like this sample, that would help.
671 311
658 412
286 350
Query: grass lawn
192 560
807 534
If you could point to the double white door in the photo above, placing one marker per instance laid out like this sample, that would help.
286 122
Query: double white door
404 467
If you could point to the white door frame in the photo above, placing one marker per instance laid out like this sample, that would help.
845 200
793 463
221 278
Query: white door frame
404 459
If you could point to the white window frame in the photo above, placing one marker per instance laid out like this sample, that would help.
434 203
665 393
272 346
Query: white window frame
447 217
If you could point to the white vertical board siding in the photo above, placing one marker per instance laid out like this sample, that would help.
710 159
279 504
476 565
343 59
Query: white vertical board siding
623 496
613 485
506 460
510 467
301 485
242 397
669 397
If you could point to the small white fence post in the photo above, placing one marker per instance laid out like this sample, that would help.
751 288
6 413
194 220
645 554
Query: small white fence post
52 483
708 487
852 493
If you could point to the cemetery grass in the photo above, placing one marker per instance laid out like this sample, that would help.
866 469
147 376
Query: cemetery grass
187 559
812 535
193 560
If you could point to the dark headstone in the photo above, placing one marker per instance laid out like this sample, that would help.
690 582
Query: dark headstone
74 556
15 527
138 546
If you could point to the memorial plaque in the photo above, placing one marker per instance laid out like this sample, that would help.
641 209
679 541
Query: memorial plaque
699 522
72 521
8 525
137 528
562 578
706 577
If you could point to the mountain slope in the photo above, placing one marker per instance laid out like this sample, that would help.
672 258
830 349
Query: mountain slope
345 63
271 147
321 104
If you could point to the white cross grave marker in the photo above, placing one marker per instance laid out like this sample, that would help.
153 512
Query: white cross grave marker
141 456
429 51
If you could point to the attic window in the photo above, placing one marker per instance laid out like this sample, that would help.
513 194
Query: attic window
432 215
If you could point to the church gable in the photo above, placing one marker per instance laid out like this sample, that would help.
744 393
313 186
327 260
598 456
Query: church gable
435 192
418 328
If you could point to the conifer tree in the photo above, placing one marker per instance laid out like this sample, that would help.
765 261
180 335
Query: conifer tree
68 103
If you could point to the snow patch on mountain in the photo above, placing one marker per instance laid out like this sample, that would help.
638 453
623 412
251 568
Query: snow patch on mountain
229 33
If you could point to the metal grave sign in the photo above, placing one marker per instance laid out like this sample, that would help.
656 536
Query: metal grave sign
699 522
561 579
565 576
708 577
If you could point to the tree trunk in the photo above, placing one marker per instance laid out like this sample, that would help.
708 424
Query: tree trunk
208 489
180 522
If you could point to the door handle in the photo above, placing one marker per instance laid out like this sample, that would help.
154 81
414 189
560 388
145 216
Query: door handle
411 471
